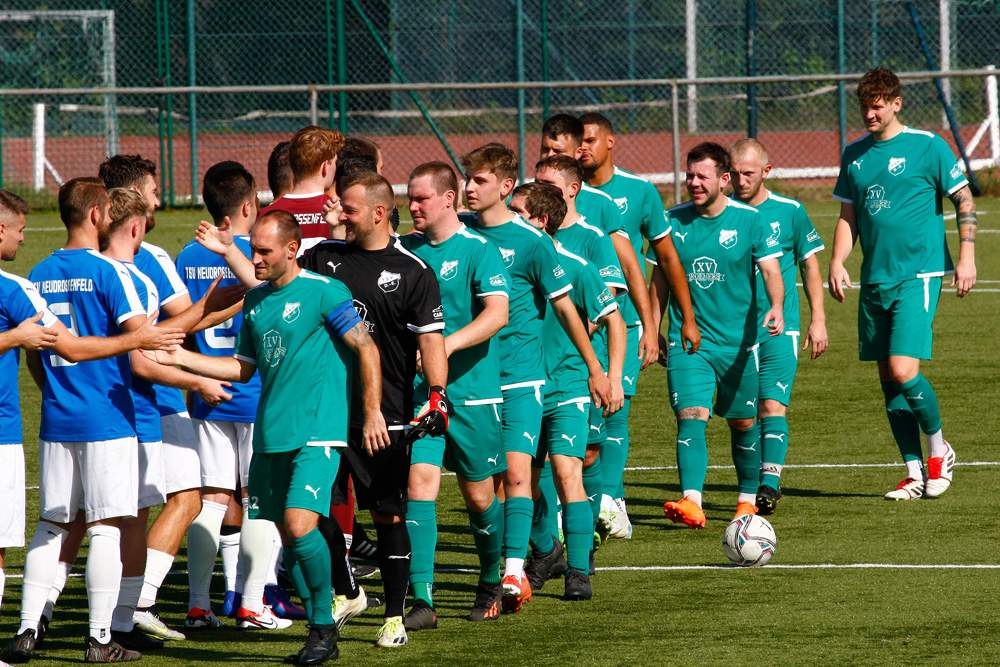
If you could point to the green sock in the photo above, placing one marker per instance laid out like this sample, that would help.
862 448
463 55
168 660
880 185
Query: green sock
542 541
421 524
487 531
517 520
614 452
746 457
923 403
295 574
579 529
548 488
902 422
593 484
313 556
774 447
692 454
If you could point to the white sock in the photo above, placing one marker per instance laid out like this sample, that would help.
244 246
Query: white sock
104 578
158 564
559 516
272 568
229 547
608 503
203 545
915 469
513 567
40 565
62 574
255 557
746 498
935 444
3 579
694 495
128 597
620 506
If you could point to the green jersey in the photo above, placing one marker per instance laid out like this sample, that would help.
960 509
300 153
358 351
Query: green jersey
599 208
468 268
642 217
305 370
719 256
565 371
896 187
595 246
535 277
791 230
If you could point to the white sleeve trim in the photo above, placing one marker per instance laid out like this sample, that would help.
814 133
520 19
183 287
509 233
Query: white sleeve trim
610 308
249 360
622 232
774 255
505 295
549 297
811 253
436 326
127 316
660 236
958 187
843 199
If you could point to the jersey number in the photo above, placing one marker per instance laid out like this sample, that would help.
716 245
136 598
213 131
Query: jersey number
218 342
62 311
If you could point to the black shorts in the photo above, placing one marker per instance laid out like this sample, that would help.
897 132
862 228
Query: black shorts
380 481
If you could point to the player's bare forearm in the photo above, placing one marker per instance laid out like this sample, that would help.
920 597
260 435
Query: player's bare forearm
816 336
218 317
433 358
209 389
844 238
487 324
965 270
375 433
774 285
229 369
659 296
140 332
673 273
33 360
617 346
635 279
241 266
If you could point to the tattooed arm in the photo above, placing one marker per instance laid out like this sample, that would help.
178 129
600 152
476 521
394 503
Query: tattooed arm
375 433
965 271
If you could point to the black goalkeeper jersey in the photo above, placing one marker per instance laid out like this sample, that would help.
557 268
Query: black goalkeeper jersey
397 296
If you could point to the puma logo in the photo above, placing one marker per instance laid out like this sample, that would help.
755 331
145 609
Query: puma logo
628 379
484 531
566 437
333 267
857 163
919 397
780 437
313 491
530 439
618 440
686 443
681 236
784 387
753 403
751 448
406 557
415 523
494 462
595 428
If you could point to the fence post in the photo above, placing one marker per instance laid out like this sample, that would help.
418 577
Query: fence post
691 58
329 58
544 18
841 67
676 133
170 103
519 41
161 101
994 116
313 106
192 103
38 147
341 66
1 142
751 36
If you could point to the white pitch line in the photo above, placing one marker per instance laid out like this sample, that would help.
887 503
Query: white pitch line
795 465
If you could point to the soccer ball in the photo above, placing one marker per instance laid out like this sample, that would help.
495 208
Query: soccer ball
749 541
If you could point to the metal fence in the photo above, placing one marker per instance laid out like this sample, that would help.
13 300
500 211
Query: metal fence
625 59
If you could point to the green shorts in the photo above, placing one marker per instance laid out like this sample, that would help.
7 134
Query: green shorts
693 378
896 319
302 478
521 413
472 447
564 430
633 364
777 360
598 429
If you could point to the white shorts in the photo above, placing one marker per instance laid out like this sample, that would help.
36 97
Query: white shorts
152 480
180 453
101 477
225 449
12 493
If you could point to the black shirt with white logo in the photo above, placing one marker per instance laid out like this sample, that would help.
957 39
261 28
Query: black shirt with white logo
397 296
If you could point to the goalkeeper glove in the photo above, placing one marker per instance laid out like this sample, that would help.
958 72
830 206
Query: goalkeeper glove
432 419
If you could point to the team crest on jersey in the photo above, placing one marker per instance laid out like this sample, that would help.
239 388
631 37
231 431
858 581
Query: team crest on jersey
875 199
772 240
388 282
610 272
897 165
291 312
728 238
622 203
812 236
448 270
706 273
508 256
273 351
956 171
363 314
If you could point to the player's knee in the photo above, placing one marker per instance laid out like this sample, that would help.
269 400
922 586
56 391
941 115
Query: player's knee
771 408
903 369
741 424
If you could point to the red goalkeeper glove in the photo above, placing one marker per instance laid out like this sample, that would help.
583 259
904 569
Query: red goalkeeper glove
432 419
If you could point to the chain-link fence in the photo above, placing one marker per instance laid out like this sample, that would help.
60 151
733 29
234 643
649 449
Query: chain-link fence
143 43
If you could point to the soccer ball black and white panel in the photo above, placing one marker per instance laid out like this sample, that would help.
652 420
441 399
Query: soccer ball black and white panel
749 541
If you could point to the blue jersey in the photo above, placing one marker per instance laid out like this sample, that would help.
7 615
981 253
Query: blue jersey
92 295
147 416
198 268
157 265
19 301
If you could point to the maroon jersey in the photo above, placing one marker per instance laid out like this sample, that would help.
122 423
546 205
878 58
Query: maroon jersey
308 211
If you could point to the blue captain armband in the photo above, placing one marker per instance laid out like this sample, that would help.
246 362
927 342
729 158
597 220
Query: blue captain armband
342 320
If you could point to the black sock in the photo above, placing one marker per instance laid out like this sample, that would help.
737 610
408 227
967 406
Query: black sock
340 568
393 540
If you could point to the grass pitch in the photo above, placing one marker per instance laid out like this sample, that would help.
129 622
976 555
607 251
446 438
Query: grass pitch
855 579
